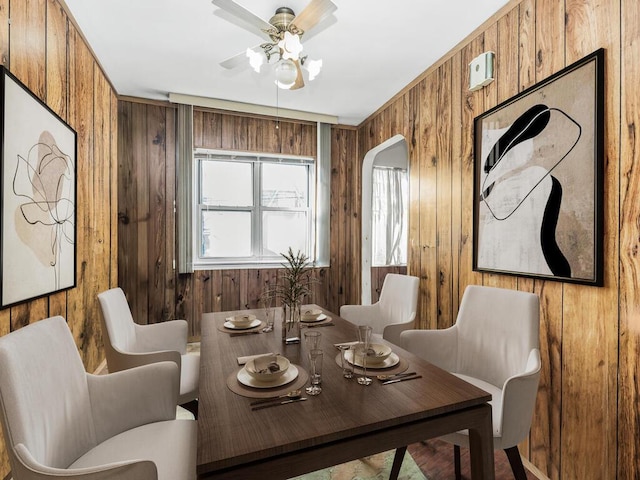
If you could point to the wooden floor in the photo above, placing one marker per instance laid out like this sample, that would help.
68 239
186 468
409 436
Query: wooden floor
435 459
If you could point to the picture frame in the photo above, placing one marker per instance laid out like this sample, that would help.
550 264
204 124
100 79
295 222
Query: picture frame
538 179
38 178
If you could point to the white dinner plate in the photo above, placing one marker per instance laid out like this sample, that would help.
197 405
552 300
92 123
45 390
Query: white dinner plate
253 324
247 380
319 318
391 361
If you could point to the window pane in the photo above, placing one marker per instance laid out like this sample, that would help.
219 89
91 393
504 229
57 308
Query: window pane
389 217
281 230
227 184
284 185
226 234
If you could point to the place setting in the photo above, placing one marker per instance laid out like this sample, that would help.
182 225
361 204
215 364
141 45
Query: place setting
266 376
314 317
364 358
243 324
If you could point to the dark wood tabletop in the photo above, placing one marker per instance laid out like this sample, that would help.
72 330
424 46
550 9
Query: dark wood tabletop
346 421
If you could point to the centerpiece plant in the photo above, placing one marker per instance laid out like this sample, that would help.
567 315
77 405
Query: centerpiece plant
294 284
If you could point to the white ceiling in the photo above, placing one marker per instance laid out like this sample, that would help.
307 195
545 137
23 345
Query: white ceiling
371 49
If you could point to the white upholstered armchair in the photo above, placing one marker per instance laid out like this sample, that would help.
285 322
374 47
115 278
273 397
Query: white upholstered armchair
393 313
494 345
128 344
61 422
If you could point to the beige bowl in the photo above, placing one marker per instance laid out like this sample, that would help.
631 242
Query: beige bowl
242 320
377 353
267 368
310 314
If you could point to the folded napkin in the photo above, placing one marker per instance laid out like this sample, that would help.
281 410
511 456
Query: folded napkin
245 359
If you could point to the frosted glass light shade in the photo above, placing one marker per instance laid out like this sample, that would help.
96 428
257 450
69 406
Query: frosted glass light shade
286 73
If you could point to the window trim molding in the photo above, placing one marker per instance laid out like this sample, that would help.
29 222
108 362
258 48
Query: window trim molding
255 158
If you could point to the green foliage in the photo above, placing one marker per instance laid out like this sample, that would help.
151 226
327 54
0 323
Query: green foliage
295 278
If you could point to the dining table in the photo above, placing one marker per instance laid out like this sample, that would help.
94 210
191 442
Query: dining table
346 421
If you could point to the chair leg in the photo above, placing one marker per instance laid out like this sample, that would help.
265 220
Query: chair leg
397 463
456 462
192 406
516 463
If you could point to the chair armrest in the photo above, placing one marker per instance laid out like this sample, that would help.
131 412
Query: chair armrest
392 331
27 467
123 360
518 401
439 347
124 400
357 313
171 335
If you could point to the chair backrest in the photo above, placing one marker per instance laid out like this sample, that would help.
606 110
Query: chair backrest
44 397
497 329
399 297
118 321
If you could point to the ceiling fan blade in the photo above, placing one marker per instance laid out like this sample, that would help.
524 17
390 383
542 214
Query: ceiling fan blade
249 20
235 61
314 13
299 83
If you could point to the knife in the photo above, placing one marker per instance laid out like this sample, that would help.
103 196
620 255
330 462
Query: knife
276 404
388 382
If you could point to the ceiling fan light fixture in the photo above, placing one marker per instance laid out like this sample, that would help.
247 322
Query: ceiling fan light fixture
286 73
256 59
290 46
313 67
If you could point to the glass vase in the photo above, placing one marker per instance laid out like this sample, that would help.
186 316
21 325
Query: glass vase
291 323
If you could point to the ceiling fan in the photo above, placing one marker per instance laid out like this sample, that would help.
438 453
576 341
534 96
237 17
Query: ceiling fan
282 33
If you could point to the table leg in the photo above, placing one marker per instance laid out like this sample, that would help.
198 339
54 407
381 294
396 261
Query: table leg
481 447
397 463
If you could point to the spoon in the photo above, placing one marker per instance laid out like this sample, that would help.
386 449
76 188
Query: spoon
293 394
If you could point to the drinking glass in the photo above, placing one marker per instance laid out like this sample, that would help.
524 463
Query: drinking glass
312 340
347 368
315 375
364 339
266 302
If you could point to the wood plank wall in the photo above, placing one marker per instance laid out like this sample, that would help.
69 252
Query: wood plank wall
44 50
146 231
587 415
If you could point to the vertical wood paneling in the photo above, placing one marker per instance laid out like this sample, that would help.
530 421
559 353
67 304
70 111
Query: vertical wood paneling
590 326
456 180
52 60
542 45
413 141
157 201
471 107
169 233
444 292
629 358
428 197
56 72
27 40
4 32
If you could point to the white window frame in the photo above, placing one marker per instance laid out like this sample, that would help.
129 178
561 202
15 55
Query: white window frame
256 260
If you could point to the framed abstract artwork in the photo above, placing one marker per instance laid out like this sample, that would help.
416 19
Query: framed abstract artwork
38 192
538 179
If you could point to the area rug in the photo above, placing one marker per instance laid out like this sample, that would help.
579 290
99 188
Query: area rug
375 467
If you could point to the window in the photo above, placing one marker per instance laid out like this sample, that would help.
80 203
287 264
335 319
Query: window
389 216
251 208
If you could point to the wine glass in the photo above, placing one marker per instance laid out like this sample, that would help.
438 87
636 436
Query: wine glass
315 377
364 339
266 302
